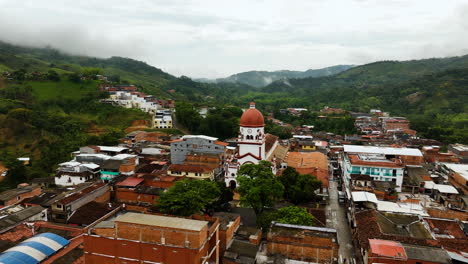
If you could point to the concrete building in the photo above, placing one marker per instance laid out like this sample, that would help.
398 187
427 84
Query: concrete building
191 171
381 163
162 119
16 195
128 237
64 208
191 144
460 150
74 173
458 176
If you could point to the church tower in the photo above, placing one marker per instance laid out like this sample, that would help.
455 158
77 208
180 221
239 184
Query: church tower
251 141
250 144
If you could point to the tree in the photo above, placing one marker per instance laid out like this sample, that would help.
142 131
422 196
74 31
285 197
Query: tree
53 76
188 197
258 186
91 72
294 215
299 187
74 77
287 215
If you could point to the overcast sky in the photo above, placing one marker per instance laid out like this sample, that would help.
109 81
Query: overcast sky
216 38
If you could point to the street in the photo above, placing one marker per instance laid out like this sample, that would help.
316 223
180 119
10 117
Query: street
336 213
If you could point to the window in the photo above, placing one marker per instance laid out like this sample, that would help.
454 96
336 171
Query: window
394 172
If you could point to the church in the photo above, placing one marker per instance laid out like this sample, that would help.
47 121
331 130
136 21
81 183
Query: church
253 145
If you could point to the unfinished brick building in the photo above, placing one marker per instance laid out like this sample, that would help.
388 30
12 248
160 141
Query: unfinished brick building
132 238
303 243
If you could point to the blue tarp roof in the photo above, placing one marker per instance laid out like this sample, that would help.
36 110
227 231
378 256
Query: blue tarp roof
34 250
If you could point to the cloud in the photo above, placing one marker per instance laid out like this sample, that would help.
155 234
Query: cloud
216 38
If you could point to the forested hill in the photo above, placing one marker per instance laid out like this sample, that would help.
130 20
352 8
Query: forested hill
263 78
377 73
432 93
151 79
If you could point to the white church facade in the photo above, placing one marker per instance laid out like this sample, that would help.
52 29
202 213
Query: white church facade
251 144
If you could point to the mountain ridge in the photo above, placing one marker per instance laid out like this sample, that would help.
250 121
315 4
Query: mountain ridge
260 79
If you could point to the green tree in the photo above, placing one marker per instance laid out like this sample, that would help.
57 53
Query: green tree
74 77
287 215
299 188
91 72
22 114
258 186
188 197
53 76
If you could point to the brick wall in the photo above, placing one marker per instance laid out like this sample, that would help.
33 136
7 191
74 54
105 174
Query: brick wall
129 196
306 248
170 237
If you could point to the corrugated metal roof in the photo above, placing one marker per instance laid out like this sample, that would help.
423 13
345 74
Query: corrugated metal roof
387 248
364 197
382 150
34 250
132 182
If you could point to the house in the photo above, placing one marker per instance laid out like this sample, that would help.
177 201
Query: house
15 215
432 154
394 123
313 163
17 195
381 163
391 252
122 164
330 110
460 150
145 238
106 150
74 173
134 191
180 148
192 171
64 208
302 243
302 143
404 228
458 175
163 119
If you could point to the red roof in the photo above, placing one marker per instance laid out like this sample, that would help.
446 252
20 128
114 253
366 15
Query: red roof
387 248
252 117
132 182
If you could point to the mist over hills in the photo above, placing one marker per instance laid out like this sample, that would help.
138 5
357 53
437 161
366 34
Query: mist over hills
263 78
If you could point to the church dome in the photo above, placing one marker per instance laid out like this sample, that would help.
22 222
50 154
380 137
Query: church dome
252 117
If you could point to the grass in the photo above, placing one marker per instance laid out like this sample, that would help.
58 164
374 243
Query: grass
64 89
169 131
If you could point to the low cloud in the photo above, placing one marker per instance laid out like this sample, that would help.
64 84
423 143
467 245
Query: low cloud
218 38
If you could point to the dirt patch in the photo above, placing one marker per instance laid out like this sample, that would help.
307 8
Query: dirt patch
138 125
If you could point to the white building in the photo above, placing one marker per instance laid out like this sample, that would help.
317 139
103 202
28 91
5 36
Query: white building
74 173
381 163
163 119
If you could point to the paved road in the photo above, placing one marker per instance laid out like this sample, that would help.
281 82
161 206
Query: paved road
337 219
